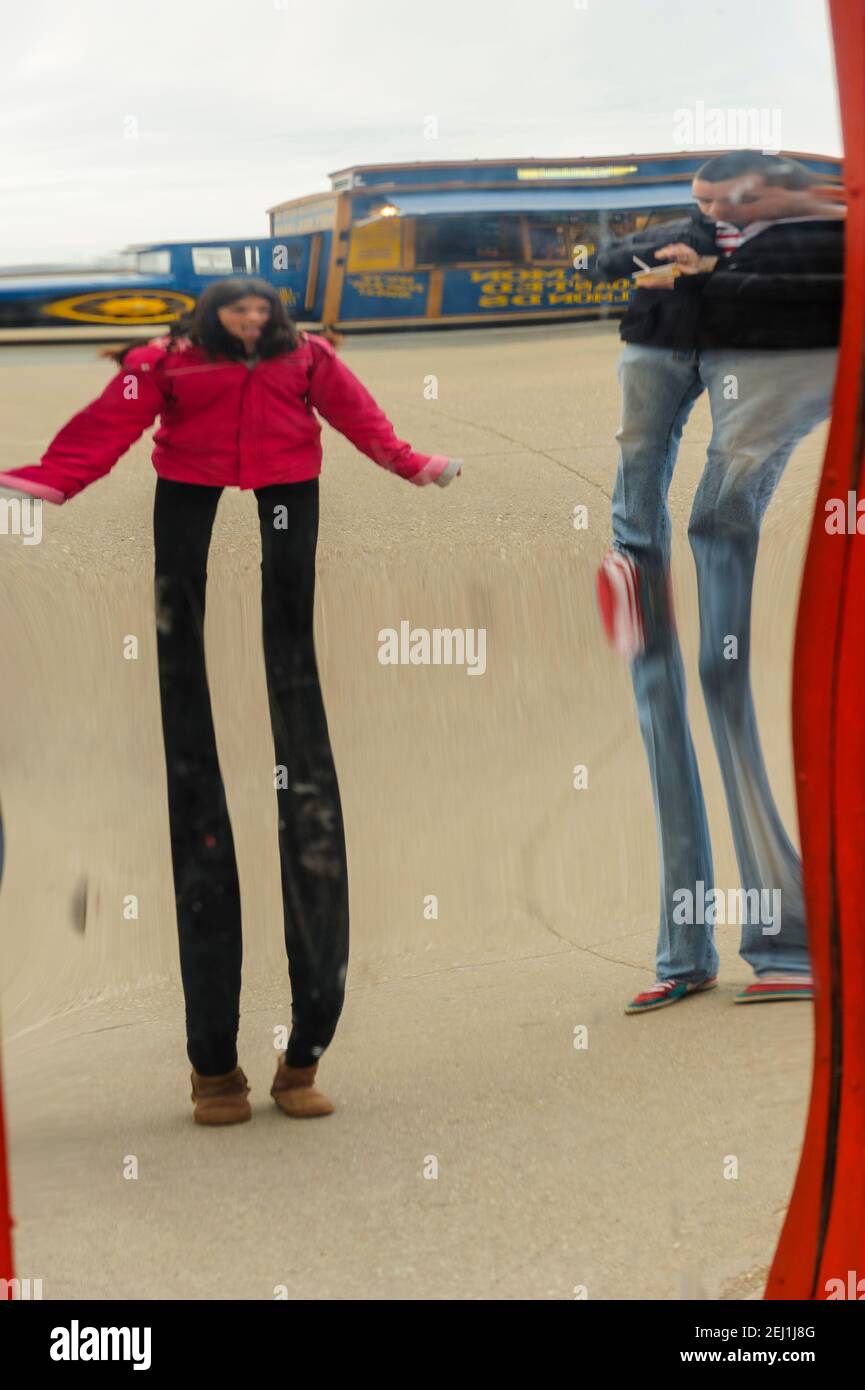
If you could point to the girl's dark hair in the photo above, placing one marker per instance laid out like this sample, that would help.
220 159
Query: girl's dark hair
202 327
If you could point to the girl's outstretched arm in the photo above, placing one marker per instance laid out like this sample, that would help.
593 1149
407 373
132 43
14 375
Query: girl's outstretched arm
91 443
344 402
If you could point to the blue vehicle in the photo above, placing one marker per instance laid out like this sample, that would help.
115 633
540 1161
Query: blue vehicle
167 279
407 246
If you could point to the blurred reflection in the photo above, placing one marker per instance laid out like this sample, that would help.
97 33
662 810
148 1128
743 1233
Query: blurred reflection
742 301
499 1130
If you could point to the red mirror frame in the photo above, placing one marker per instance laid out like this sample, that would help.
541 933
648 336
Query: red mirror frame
823 1236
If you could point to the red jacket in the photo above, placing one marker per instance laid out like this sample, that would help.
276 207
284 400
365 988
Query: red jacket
223 423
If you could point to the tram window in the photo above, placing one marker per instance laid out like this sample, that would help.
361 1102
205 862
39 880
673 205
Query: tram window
556 238
225 260
212 260
451 240
154 262
287 254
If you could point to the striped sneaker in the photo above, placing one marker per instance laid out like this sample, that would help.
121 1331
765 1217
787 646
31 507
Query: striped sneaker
768 988
664 992
618 592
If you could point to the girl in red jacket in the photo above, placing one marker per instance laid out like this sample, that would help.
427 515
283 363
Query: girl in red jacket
235 386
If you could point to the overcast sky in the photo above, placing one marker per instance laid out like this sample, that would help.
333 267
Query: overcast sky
177 119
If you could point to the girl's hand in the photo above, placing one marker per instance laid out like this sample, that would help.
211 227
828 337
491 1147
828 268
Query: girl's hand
22 496
10 486
449 473
18 494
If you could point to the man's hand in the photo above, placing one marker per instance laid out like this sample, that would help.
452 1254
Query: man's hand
689 261
686 262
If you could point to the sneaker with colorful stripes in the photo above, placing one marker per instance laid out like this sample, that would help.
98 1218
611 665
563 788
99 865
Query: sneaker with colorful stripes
767 989
618 592
666 992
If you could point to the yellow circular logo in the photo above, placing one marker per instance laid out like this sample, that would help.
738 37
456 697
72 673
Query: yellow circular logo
119 306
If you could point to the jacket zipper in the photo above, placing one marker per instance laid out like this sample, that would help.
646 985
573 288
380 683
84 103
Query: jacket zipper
240 431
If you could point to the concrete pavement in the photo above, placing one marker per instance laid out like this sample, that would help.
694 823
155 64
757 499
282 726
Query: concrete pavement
558 1168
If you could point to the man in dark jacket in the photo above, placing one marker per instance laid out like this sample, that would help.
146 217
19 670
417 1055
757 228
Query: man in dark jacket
742 300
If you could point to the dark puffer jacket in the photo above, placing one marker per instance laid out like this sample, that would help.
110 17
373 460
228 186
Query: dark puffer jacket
659 318
780 290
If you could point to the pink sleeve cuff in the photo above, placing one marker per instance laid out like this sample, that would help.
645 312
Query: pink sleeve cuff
437 469
48 494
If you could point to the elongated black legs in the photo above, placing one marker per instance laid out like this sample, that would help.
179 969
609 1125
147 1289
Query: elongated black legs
311 836
207 891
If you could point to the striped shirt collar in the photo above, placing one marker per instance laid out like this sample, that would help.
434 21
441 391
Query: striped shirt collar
727 237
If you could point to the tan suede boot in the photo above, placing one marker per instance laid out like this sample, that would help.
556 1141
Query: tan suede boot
295 1094
220 1100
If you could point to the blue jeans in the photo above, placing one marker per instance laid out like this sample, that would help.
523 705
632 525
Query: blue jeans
762 404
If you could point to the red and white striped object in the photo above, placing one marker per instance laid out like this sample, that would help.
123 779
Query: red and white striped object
727 237
618 594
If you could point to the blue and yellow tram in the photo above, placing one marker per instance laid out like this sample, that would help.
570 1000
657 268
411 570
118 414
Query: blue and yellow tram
407 246
165 282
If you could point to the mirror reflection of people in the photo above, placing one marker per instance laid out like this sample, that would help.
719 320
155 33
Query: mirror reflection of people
749 311
236 386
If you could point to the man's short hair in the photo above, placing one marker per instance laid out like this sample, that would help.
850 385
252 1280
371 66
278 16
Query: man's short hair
774 169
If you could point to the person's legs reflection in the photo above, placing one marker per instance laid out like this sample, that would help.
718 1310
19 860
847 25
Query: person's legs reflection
659 388
207 892
763 404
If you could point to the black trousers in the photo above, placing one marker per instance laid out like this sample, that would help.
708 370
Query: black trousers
311 837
